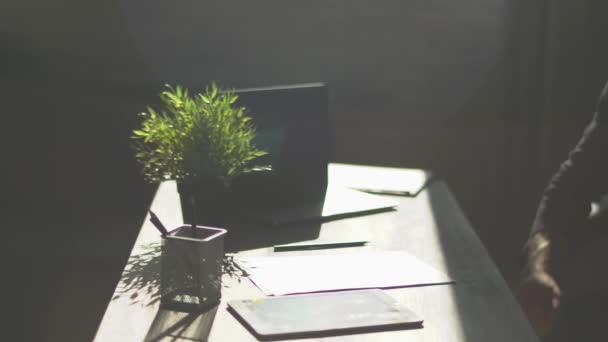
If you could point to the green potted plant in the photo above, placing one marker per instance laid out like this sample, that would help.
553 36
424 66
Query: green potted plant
203 142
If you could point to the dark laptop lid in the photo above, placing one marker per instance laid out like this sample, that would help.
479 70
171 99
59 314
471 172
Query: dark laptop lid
293 126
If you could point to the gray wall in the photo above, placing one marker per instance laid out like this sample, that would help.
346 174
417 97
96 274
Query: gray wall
398 70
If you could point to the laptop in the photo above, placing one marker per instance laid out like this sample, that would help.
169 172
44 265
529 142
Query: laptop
292 124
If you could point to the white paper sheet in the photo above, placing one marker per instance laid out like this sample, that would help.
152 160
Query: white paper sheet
342 200
378 179
281 275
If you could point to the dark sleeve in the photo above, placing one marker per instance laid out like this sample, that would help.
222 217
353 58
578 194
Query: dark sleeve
581 179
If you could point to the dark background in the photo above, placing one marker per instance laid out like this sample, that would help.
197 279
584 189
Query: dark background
489 93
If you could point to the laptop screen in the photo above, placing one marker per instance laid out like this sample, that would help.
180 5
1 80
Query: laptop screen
293 126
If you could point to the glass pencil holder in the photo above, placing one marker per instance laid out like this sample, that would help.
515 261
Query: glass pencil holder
191 267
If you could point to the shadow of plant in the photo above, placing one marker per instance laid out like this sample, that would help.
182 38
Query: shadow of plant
171 325
140 281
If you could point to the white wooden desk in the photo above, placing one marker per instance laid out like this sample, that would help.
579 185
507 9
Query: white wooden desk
479 307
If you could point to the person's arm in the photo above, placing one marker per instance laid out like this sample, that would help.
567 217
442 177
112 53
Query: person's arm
562 213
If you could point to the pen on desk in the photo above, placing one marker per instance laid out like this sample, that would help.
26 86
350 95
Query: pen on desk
321 245
156 222
386 192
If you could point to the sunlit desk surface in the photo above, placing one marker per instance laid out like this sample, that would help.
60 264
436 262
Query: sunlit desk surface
431 226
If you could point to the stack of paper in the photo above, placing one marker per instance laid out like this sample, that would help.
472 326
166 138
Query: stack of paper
281 275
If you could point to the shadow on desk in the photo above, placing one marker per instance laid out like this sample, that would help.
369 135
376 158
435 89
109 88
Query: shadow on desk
140 281
175 325
241 237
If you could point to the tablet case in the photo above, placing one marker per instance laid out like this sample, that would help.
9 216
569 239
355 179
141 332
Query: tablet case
320 314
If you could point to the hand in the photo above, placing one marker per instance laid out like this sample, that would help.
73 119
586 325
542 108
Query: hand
540 296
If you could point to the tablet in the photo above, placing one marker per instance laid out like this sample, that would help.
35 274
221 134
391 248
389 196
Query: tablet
323 313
